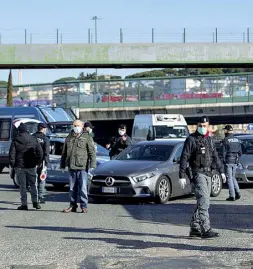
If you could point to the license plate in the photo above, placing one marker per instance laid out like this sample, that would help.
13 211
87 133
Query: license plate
109 190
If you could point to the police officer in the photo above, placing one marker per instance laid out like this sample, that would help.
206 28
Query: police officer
201 155
231 152
88 127
120 142
45 145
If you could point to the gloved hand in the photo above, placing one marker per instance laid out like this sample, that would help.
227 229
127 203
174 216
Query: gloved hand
182 182
90 175
223 176
90 170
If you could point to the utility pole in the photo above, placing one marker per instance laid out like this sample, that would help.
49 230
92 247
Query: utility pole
95 18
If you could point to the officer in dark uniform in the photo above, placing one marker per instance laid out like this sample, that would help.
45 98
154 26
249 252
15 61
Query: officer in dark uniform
199 153
45 145
231 152
120 142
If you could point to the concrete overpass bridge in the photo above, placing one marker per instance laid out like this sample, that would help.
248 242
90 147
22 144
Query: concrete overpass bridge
129 55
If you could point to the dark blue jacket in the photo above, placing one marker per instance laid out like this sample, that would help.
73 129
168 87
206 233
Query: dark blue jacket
231 149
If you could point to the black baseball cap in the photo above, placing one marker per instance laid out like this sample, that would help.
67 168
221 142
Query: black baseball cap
122 126
203 119
42 125
22 128
88 124
228 128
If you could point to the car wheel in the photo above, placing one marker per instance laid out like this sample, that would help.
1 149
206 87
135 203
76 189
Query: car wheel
163 190
216 185
59 185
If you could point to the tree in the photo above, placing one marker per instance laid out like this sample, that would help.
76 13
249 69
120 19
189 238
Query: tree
88 76
10 90
65 79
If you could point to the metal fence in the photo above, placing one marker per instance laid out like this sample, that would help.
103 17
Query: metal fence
136 92
61 36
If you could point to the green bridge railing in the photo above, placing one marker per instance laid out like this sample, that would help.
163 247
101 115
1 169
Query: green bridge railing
166 91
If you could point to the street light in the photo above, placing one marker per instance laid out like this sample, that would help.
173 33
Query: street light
95 18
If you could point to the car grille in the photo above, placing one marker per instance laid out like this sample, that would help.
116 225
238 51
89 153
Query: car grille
119 181
250 178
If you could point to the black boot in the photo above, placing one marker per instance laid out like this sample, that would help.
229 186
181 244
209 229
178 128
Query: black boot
210 234
237 196
195 233
22 207
231 199
36 205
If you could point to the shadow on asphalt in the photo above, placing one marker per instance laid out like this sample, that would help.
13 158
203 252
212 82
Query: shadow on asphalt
223 216
140 244
129 243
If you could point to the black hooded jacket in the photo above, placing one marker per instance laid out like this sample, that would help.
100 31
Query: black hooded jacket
25 151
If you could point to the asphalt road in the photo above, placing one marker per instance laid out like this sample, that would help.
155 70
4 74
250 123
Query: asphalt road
122 235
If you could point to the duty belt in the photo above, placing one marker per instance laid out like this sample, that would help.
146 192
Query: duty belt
203 169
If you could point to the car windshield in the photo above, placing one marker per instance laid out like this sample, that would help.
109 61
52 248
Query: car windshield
147 153
53 114
164 131
61 128
247 146
101 151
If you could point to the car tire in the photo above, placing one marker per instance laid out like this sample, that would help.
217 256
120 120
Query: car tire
216 184
162 190
59 185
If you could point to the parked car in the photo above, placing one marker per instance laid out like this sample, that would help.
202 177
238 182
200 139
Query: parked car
147 169
54 174
244 173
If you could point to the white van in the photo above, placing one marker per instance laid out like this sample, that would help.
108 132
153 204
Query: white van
159 126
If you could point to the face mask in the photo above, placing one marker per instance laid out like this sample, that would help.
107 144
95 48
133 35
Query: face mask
77 129
202 130
90 131
121 132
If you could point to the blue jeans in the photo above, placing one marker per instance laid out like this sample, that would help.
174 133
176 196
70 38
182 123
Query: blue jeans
78 183
232 182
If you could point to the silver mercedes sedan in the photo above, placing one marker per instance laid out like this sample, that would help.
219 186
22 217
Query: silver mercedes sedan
147 169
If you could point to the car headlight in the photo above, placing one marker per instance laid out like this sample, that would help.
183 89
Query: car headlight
143 177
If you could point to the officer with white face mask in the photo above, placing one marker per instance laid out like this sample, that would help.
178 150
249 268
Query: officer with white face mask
89 128
78 150
120 142
200 154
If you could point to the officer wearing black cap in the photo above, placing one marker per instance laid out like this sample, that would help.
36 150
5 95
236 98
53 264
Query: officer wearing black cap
199 153
45 145
88 127
231 152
